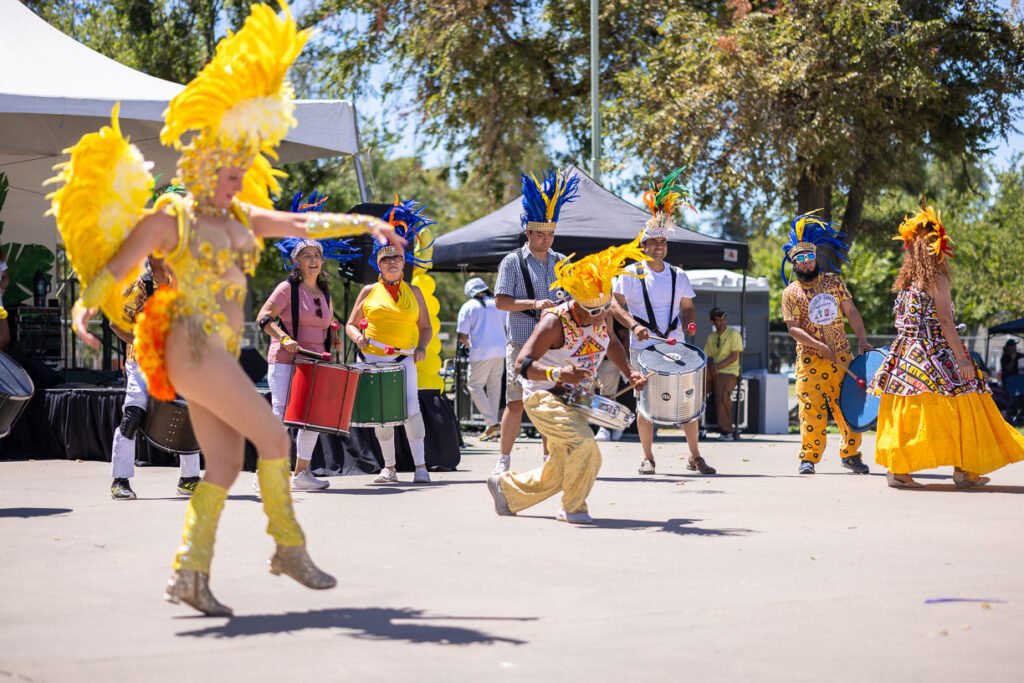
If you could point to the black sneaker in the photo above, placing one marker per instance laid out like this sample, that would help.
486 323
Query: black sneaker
806 467
855 465
121 490
187 485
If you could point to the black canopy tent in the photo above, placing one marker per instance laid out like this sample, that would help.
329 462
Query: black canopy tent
597 219
1014 327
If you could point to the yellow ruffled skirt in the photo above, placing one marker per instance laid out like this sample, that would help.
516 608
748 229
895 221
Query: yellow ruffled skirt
925 431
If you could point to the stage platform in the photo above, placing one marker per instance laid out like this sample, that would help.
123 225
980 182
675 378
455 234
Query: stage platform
78 423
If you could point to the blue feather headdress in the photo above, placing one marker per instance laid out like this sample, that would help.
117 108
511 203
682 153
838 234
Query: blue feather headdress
337 250
543 199
807 232
408 221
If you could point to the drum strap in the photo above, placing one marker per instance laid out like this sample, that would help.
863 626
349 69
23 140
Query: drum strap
328 342
528 282
651 323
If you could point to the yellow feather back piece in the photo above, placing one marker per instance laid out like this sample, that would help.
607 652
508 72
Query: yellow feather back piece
927 224
589 280
106 186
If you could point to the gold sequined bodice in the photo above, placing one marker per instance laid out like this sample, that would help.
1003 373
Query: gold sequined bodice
210 268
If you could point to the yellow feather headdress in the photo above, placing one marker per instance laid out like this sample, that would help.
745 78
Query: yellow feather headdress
589 280
928 225
239 107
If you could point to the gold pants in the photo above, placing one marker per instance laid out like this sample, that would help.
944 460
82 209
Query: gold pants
572 467
817 388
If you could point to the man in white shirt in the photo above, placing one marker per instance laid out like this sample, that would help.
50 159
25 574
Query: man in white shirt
660 304
481 330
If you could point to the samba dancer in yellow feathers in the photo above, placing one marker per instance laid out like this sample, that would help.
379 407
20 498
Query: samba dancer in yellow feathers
237 110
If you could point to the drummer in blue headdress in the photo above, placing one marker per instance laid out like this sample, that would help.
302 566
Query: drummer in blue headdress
390 324
298 314
523 287
813 307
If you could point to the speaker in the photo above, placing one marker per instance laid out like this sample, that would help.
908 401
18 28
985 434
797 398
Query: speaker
359 269
254 364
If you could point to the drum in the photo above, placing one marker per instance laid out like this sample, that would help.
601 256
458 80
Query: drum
602 411
321 397
858 406
167 426
380 399
16 389
674 393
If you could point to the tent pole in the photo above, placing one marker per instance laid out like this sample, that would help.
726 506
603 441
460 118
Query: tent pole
357 159
743 335
595 108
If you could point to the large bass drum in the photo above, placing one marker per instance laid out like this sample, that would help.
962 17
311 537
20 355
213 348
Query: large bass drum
674 393
16 389
168 427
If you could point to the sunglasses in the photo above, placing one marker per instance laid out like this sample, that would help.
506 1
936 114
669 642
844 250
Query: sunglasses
594 311
319 310
800 258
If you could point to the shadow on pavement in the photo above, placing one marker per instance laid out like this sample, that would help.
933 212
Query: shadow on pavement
372 623
681 527
25 513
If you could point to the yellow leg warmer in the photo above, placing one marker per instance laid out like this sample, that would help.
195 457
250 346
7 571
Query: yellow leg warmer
201 517
275 489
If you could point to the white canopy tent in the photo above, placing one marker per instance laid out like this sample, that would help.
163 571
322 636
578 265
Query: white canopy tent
53 90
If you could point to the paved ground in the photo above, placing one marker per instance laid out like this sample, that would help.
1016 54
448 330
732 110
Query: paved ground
756 574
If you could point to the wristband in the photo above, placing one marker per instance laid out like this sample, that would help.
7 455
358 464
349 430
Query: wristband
285 339
635 325
264 321
525 366
548 371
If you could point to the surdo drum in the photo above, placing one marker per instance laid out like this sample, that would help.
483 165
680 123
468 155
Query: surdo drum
674 393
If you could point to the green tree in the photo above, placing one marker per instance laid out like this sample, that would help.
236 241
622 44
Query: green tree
782 102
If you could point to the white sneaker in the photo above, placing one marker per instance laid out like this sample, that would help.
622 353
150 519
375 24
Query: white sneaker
386 476
305 481
574 517
616 434
421 476
603 435
504 462
646 467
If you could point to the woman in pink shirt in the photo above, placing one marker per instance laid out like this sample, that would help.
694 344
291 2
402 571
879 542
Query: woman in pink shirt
304 259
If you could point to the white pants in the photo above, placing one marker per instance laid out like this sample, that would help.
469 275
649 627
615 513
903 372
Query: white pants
414 429
485 386
279 377
122 455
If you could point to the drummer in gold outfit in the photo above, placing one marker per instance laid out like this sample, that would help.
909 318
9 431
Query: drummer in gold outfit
561 356
813 307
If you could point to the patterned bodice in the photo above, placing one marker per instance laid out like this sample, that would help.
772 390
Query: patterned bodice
916 317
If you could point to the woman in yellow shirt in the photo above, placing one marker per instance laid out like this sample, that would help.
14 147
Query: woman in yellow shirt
396 319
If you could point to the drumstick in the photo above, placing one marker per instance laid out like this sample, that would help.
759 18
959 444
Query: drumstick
670 342
313 354
390 350
631 386
860 382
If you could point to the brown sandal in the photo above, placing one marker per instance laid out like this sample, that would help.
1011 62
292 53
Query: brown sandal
699 465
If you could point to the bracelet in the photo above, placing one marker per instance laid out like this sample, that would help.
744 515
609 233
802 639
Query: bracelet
635 325
339 225
285 339
548 371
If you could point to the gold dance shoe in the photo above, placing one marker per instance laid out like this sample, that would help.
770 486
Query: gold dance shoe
193 589
963 480
294 561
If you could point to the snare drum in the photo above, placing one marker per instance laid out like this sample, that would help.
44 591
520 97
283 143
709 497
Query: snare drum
602 411
16 389
674 394
380 399
321 396
168 427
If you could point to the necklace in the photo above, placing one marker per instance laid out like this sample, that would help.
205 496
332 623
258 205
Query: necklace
209 211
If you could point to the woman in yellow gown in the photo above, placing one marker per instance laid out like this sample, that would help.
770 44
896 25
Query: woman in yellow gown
935 410
236 111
